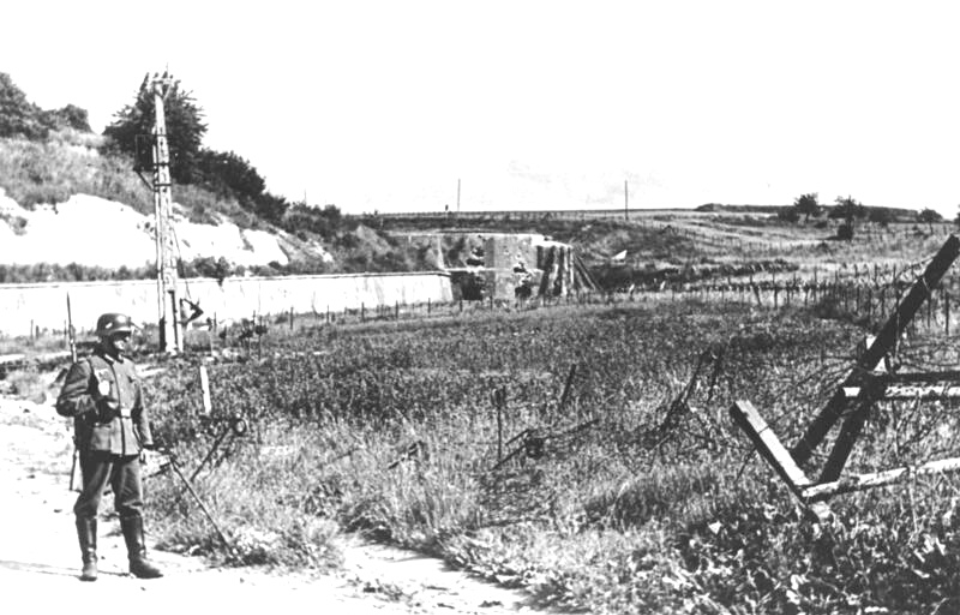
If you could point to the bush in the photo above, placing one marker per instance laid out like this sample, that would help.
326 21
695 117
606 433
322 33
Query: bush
207 267
229 174
18 116
268 206
26 384
72 117
881 216
790 215
74 272
326 222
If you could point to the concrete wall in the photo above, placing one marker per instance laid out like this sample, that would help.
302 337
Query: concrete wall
45 305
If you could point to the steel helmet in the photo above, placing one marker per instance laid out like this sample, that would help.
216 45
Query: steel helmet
111 323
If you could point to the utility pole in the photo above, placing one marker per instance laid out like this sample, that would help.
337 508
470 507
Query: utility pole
626 200
167 304
458 197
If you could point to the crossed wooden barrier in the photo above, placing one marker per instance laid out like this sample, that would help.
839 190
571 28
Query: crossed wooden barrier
853 400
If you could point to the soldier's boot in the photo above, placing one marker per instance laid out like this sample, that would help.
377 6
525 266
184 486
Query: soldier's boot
140 566
87 535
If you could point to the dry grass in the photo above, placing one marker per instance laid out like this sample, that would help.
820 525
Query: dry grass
392 432
70 163
27 384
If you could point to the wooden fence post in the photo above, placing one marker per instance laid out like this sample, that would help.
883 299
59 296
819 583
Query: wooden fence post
207 406
500 401
946 311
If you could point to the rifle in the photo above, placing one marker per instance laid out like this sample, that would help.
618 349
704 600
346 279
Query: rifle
72 339
73 468
71 332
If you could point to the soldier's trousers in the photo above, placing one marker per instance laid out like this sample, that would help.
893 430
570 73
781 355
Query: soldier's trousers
100 469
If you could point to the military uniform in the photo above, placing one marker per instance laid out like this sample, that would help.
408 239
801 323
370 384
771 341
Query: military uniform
104 396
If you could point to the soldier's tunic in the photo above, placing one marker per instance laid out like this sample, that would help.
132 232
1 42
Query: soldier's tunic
105 399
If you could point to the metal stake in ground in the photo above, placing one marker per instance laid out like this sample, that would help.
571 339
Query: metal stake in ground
172 463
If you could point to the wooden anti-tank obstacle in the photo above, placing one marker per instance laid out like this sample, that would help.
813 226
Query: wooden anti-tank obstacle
853 400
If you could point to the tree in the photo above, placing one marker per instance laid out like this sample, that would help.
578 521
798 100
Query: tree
848 209
929 216
228 172
18 116
806 205
21 118
71 116
184 121
881 216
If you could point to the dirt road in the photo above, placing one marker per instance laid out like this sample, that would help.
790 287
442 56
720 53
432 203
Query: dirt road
39 557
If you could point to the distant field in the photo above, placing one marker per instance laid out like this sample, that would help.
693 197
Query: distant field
557 213
689 245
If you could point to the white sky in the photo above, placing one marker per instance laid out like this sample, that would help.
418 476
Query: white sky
384 105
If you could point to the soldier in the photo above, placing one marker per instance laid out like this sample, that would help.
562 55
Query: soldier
103 395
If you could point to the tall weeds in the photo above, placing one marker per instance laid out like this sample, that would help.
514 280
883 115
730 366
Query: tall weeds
636 494
50 172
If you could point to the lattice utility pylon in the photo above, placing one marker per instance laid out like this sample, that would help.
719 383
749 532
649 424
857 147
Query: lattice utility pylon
167 304
854 399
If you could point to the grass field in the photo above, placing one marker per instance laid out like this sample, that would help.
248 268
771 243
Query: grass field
583 450
632 492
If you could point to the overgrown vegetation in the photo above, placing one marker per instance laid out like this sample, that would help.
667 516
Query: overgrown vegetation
225 174
21 118
48 156
629 495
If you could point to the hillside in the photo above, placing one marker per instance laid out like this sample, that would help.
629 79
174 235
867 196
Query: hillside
95 232
68 210
72 207
656 246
